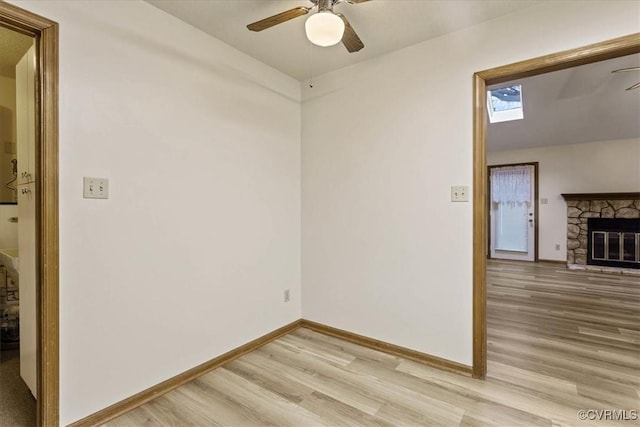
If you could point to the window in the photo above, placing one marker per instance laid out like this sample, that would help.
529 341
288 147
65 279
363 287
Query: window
505 104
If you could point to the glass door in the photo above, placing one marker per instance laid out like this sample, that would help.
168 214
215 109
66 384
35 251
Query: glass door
512 212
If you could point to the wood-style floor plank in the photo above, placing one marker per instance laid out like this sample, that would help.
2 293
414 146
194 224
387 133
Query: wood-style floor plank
558 341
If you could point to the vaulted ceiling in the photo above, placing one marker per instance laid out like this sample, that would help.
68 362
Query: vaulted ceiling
581 104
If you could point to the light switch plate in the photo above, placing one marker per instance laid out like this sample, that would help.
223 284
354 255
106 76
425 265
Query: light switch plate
460 193
96 188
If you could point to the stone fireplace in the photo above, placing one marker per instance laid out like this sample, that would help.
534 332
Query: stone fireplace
616 243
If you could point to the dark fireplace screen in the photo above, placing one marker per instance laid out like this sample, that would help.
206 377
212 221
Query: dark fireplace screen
613 242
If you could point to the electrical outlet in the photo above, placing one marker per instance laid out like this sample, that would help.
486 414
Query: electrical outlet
544 201
557 247
96 188
460 193
286 295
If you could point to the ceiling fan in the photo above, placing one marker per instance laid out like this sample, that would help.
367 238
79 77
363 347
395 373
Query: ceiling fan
324 28
624 70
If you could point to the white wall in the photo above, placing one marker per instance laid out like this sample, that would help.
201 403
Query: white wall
191 254
385 252
595 167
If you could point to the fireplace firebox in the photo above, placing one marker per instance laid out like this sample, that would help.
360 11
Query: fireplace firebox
613 242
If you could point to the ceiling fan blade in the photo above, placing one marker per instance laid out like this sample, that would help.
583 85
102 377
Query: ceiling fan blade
622 70
635 86
350 39
278 19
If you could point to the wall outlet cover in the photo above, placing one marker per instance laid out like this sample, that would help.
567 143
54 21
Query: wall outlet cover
96 188
460 193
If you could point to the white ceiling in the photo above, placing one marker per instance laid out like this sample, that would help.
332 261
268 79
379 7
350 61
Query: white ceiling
581 104
383 26
13 46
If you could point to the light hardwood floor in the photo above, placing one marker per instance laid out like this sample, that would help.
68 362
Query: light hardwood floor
559 341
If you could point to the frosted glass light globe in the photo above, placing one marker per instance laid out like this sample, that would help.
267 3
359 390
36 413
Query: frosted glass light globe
324 29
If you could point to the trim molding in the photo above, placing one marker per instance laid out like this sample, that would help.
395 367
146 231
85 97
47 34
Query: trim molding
614 48
45 33
480 209
608 49
109 413
385 347
601 196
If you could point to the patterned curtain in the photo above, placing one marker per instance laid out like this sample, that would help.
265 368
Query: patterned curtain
511 185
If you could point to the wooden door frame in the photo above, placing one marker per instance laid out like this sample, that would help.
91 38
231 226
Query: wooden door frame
614 48
45 33
536 234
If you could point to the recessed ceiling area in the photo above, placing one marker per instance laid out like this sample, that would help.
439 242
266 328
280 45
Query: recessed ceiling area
580 104
13 46
383 26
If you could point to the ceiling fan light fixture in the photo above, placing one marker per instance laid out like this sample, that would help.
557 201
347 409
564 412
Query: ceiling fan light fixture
324 29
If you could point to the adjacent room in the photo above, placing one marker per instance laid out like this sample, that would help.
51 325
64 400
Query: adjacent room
279 212
18 386
564 227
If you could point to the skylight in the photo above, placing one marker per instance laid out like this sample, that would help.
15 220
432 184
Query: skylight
505 104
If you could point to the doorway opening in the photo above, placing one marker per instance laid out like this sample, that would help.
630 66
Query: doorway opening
40 191
513 211
18 346
615 48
